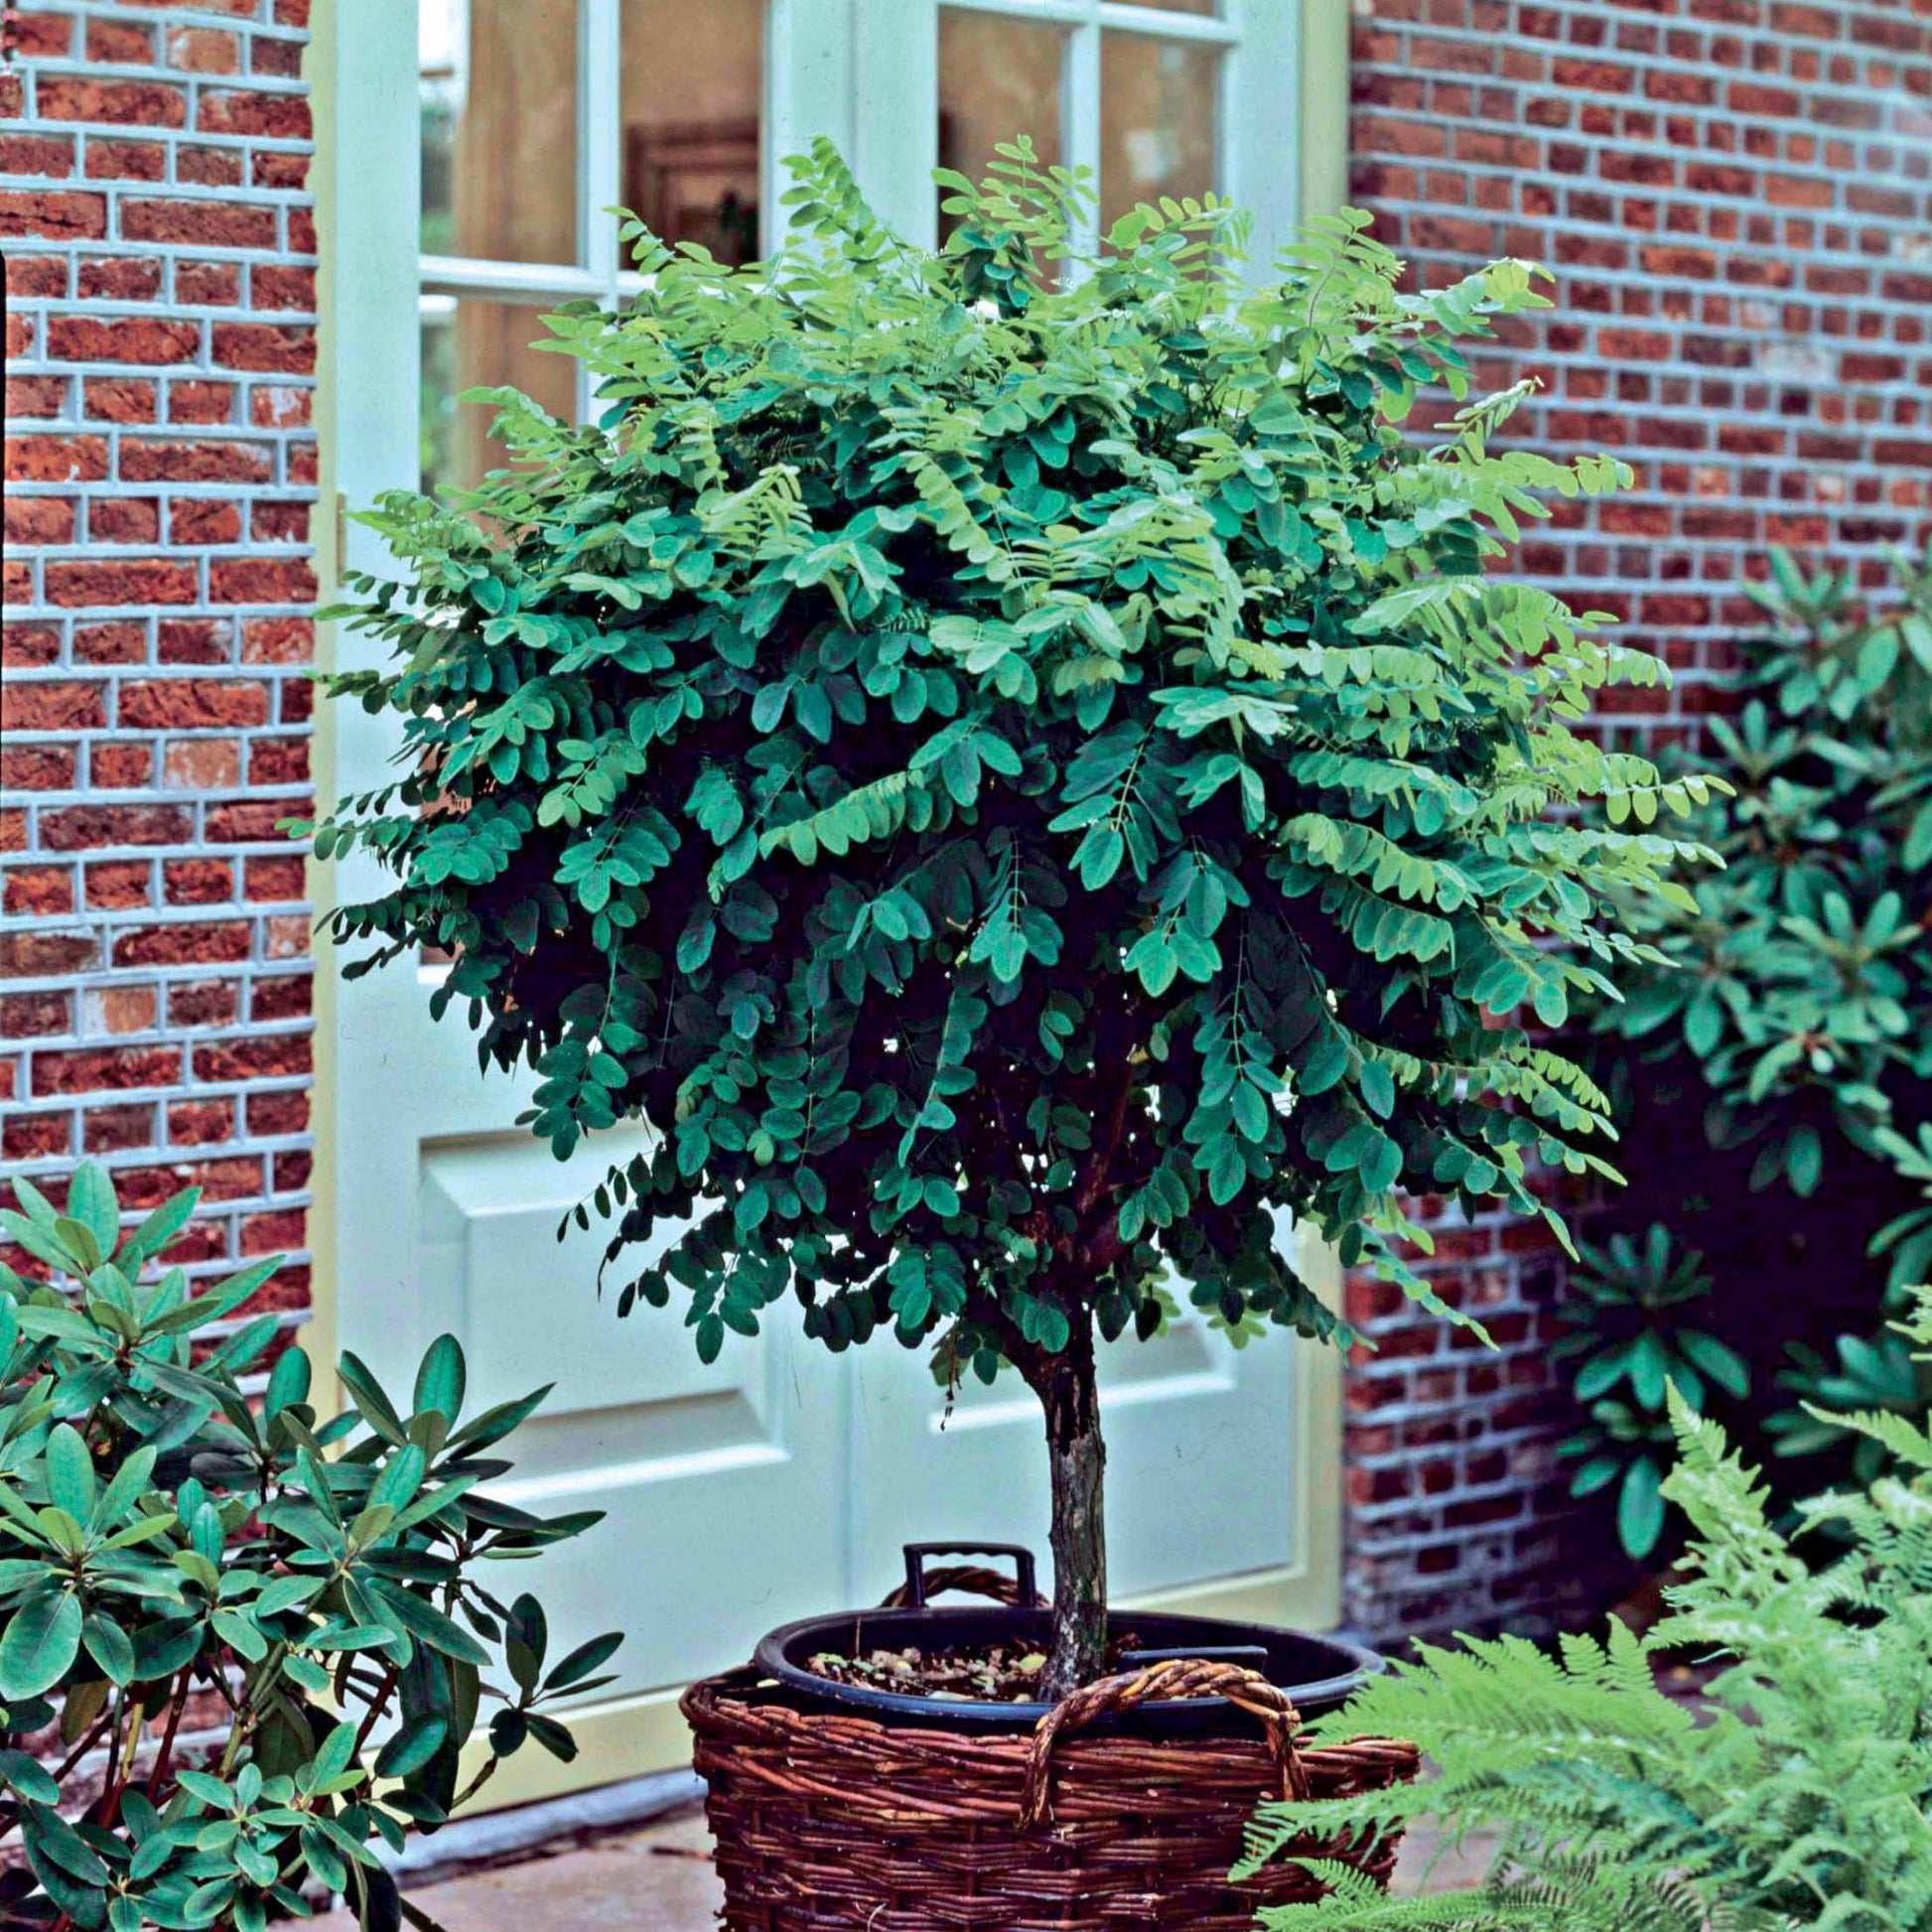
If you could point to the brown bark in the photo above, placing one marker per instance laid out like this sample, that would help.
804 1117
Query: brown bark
1065 1385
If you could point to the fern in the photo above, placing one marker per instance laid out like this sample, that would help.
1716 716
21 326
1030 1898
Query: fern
1799 1801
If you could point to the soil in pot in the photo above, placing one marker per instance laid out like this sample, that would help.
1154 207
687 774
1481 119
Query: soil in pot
984 1672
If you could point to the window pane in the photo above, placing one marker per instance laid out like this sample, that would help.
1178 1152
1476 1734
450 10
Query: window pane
693 78
498 95
1211 9
998 78
471 343
1158 110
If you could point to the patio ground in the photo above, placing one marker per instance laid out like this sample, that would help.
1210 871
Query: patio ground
659 1879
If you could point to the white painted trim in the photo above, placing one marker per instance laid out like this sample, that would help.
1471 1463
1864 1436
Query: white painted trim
1150 21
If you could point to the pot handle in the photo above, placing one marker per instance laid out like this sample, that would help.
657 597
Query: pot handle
1021 1589
1173 1678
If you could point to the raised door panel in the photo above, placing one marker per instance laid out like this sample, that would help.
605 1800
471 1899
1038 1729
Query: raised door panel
1202 1482
721 1485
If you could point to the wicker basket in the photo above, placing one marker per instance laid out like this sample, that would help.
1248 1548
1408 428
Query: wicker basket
824 1819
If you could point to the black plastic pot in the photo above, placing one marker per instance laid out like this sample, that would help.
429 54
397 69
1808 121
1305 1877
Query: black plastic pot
1317 1673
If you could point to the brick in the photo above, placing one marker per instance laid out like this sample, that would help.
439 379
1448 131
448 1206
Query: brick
280 116
40 956
115 884
134 519
193 704
132 103
198 882
261 347
201 402
203 1002
246 822
64 216
204 49
38 890
203 461
203 942
57 459
135 580
125 161
119 400
51 154
106 1069
261 1056
196 520
119 42
261 580
210 167
201 764
120 278
76 828
39 519
121 338
208 284
34 1015
51 707
207 224
37 395
114 1129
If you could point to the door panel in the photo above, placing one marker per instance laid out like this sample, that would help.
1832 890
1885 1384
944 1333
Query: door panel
1200 1459
703 1472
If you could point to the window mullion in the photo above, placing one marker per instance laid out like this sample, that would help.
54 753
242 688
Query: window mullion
1080 117
600 159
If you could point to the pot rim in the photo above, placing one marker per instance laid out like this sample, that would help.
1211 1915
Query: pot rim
772 1659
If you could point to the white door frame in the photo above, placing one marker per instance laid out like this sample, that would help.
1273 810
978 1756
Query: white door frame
847 68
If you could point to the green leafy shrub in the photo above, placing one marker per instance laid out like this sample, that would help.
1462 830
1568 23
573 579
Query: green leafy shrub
1802 981
1801 1794
1783 1059
1626 1313
164 1536
1014 781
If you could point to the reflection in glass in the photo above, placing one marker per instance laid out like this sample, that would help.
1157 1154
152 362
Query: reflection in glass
471 343
693 76
498 102
998 78
1159 109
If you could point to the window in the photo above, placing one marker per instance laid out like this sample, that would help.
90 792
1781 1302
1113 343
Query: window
1131 90
537 117
532 118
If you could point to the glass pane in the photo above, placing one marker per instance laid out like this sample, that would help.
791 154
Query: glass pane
998 78
1211 8
1158 110
498 95
692 81
467 343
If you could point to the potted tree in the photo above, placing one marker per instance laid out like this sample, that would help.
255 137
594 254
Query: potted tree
1018 776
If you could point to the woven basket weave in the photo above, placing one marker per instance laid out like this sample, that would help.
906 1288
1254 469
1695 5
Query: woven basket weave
824 1819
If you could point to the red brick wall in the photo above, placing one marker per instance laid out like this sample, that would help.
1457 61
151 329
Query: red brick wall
155 955
1734 197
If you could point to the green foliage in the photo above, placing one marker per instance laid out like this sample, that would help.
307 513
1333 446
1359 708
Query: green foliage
1627 1330
1016 783
1868 1373
1802 982
164 1535
1797 1798
1013 780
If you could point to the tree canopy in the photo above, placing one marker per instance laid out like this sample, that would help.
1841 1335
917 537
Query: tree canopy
1012 775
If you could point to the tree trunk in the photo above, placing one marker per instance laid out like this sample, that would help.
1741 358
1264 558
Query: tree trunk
1067 1391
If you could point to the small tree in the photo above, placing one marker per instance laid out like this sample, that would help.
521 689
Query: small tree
1013 778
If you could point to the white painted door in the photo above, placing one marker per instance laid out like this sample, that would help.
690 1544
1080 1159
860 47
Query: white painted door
476 144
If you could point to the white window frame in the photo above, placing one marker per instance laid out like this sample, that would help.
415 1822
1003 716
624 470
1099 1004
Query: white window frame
863 71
